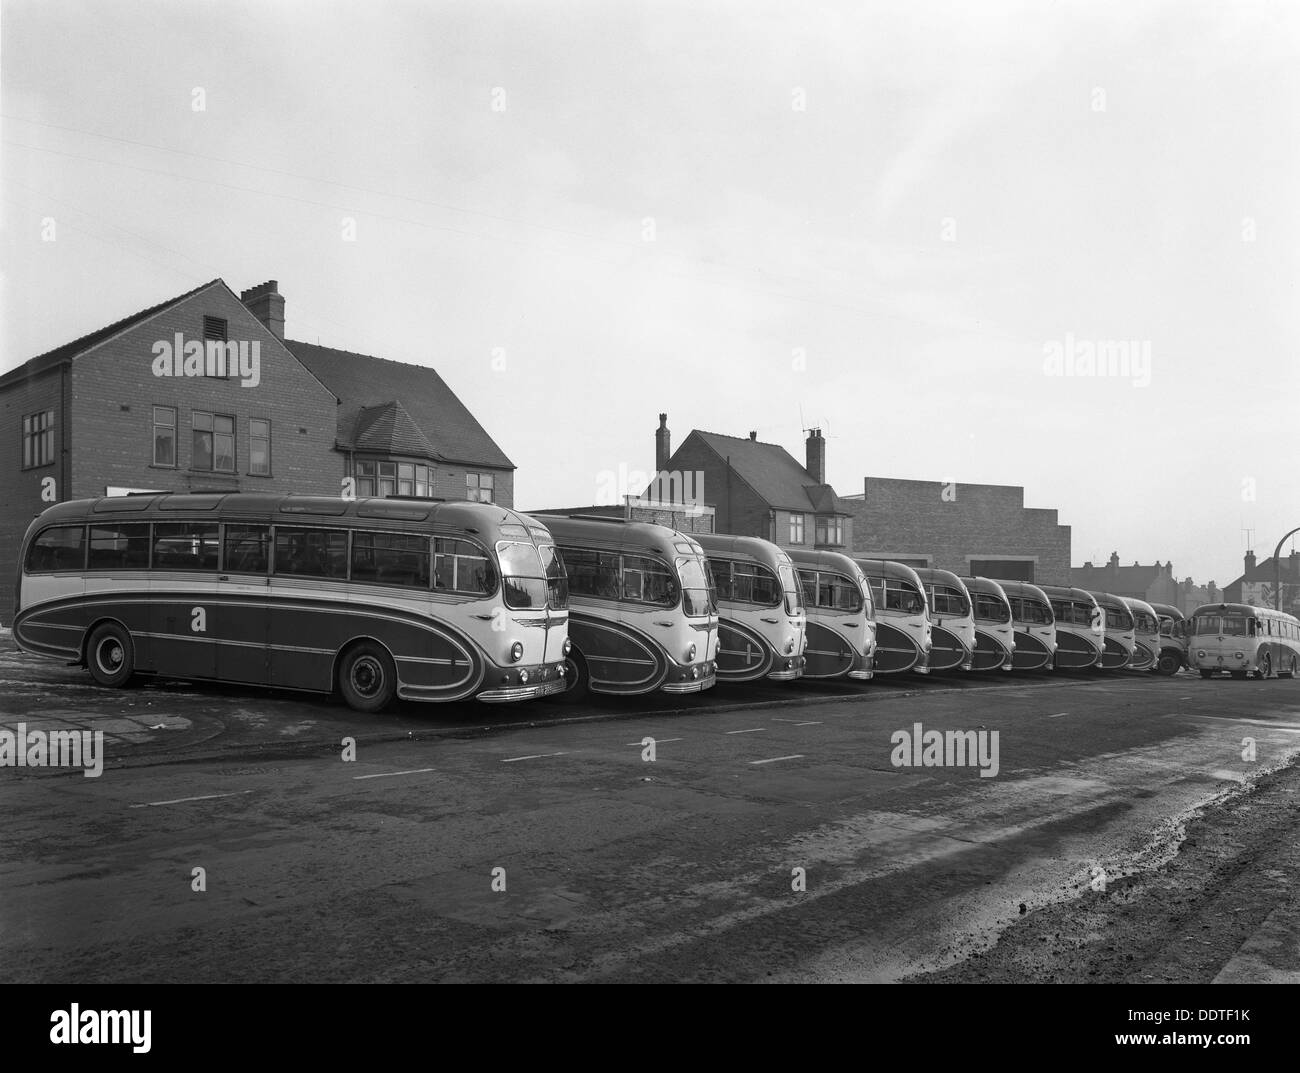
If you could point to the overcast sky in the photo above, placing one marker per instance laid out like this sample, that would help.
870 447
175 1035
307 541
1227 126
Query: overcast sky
877 219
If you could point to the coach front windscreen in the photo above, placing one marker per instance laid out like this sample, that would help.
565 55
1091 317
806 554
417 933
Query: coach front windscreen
532 576
698 597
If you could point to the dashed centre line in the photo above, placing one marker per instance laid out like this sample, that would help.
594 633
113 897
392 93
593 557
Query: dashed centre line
534 756
751 730
774 759
183 800
390 774
658 741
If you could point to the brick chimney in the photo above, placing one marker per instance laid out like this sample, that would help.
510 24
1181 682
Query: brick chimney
663 444
1114 560
816 454
1250 561
266 304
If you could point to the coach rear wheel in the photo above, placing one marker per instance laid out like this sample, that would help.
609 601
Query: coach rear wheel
1294 672
367 677
110 655
1265 668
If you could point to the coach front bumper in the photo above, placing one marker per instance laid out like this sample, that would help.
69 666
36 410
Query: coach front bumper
524 683
692 679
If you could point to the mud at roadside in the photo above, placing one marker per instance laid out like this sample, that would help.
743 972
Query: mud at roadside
1182 922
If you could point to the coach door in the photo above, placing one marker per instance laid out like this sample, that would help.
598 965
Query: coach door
183 613
243 612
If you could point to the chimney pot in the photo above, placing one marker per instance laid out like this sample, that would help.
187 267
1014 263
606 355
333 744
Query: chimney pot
754 436
267 304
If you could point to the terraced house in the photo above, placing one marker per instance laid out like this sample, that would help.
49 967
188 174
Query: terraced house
203 391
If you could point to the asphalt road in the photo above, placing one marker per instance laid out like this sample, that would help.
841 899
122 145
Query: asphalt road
619 868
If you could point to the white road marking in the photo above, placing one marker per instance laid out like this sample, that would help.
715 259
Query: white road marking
182 800
752 730
534 756
1058 715
390 774
658 741
810 723
774 759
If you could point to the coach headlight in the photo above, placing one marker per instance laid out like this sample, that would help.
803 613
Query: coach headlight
566 648
1200 654
1240 655
517 651
523 676
690 653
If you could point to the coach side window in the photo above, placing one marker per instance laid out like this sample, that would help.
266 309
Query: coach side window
311 552
119 547
185 546
592 573
59 548
391 559
247 548
461 566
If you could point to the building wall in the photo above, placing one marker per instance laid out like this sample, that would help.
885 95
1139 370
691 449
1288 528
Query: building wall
21 489
114 390
948 525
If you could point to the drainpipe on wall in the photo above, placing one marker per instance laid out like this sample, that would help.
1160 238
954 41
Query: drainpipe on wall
65 435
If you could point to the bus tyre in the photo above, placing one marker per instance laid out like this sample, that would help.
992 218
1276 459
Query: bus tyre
1168 664
1294 672
1265 668
367 677
575 673
110 655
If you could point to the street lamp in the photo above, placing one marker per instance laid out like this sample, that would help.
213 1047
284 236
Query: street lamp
1277 570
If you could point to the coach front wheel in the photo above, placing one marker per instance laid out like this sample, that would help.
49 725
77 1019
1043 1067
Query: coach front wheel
575 672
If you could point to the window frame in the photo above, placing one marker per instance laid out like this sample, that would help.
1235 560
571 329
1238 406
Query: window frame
252 437
176 441
38 438
213 433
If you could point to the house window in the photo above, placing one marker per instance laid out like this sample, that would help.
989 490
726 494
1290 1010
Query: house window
164 436
259 447
796 528
38 439
214 442
828 531
384 479
479 487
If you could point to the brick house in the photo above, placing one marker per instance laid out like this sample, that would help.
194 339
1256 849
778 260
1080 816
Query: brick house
1258 583
754 488
202 391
